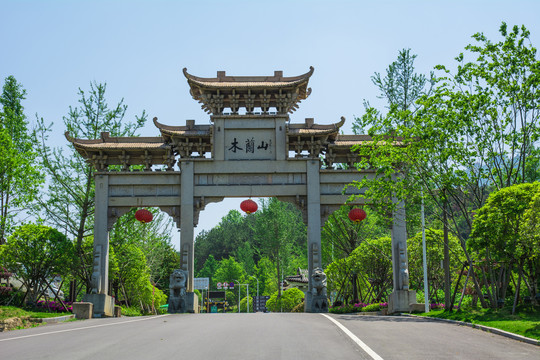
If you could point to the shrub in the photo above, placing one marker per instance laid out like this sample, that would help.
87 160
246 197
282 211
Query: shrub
131 311
343 309
371 307
243 305
289 300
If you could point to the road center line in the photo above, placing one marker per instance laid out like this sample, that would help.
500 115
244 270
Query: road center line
83 328
354 338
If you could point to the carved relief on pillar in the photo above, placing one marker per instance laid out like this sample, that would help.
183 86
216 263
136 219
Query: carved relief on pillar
115 213
95 280
315 256
184 257
403 267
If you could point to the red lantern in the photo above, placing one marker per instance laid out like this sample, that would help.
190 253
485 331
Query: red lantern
248 206
356 215
143 215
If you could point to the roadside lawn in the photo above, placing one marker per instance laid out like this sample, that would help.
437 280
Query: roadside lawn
7 312
525 322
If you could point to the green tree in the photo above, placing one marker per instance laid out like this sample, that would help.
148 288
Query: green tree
229 270
372 260
20 178
209 269
153 239
225 239
340 237
401 87
476 132
278 231
435 257
530 242
498 238
68 203
35 253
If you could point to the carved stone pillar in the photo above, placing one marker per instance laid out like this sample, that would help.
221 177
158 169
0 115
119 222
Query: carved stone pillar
103 304
315 300
186 220
401 298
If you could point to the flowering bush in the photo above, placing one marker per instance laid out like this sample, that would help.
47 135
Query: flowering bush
53 306
434 306
4 290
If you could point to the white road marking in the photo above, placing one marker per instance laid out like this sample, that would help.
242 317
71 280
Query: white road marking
354 338
84 328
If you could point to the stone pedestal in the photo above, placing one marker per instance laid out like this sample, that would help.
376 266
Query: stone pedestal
188 303
400 300
315 303
83 310
103 304
192 303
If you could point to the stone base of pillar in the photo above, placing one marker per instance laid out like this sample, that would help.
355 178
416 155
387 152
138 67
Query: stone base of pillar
400 301
315 303
192 303
103 304
188 303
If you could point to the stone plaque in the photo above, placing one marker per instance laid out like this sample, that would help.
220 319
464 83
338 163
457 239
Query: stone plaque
244 144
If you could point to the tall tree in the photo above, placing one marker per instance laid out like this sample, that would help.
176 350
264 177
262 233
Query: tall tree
68 203
401 87
278 231
36 253
340 237
19 176
475 132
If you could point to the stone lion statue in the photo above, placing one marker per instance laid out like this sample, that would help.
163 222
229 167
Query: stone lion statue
319 301
177 287
319 282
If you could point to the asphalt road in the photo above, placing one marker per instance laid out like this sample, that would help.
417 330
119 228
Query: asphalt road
259 336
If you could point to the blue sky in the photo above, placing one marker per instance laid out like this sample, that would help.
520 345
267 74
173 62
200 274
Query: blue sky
140 47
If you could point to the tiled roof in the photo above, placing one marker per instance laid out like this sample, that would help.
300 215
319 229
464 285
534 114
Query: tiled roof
300 277
314 129
221 81
188 130
118 143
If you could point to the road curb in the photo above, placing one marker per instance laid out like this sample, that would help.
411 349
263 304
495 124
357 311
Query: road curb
53 320
481 327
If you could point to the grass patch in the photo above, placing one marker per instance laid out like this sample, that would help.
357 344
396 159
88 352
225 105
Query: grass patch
525 322
7 312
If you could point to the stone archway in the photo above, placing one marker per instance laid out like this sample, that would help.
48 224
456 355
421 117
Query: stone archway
258 153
